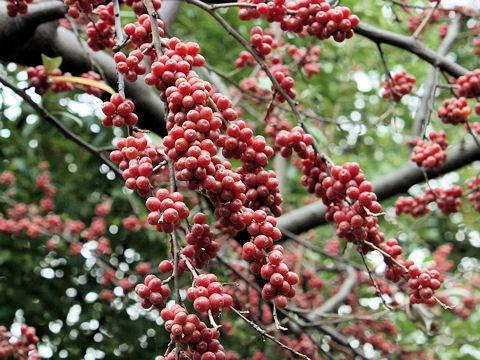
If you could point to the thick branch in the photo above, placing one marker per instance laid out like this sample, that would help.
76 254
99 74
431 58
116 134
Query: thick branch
412 45
395 183
430 82
53 40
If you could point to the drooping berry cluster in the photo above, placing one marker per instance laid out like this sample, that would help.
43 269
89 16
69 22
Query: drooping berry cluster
286 81
84 6
101 33
140 32
15 7
139 8
294 140
431 154
187 330
469 84
454 111
306 58
319 20
245 59
201 245
42 82
167 210
263 43
136 160
423 284
22 348
119 112
153 292
448 201
269 265
474 196
416 206
207 294
130 66
401 84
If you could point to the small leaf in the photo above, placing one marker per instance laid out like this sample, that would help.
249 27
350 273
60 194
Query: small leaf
89 82
51 64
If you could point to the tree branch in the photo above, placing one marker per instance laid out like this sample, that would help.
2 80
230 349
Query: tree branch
397 182
410 44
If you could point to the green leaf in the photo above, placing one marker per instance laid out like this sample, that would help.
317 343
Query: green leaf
51 64
89 82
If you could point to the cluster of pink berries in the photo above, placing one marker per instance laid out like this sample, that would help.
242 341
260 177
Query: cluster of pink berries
139 8
263 43
423 284
401 84
119 112
15 7
140 32
130 66
207 294
42 82
469 84
167 210
187 330
454 111
474 196
153 292
136 160
23 347
431 154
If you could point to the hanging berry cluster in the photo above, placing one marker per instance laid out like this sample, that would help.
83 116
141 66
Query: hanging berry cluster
15 7
431 154
24 347
469 84
401 84
207 294
153 292
448 201
474 196
187 330
130 66
454 111
119 112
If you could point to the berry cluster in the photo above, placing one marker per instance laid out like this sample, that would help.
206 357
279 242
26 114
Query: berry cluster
286 81
208 294
294 140
469 84
431 154
448 200
306 58
319 20
275 125
167 210
263 43
130 66
270 266
245 59
140 32
474 196
423 283
139 8
136 160
101 34
119 112
454 111
201 245
187 330
416 206
41 81
21 348
153 292
15 7
401 84
85 6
